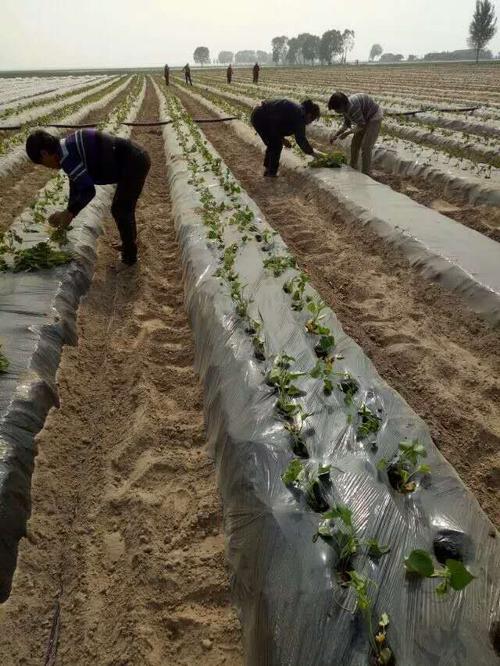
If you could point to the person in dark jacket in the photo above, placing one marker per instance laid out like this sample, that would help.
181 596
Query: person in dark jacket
256 70
276 119
187 74
91 158
166 72
229 73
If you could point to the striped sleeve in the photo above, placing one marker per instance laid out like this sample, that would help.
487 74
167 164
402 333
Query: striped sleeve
74 164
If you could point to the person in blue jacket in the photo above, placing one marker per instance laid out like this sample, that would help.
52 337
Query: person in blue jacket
91 158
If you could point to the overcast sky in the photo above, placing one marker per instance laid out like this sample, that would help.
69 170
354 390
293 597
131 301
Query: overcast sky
40 34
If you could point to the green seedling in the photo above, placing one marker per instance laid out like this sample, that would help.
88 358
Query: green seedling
295 428
312 481
378 642
324 370
324 347
60 235
370 422
241 303
454 574
406 466
337 528
279 264
317 309
295 288
282 380
40 256
349 386
329 161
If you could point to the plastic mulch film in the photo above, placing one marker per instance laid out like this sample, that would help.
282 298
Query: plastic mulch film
293 609
459 258
37 317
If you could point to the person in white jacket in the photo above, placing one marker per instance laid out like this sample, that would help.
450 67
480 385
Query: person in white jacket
363 119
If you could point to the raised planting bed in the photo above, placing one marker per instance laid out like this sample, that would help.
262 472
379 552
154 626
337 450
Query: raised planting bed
37 317
329 480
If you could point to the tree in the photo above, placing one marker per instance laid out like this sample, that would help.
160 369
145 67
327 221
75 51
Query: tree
330 46
376 51
264 58
245 57
225 57
294 51
310 48
201 55
347 43
279 45
483 26
412 58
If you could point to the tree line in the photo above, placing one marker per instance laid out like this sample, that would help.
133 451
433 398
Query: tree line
307 48
333 45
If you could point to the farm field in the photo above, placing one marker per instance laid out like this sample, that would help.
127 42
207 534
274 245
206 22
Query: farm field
170 483
449 161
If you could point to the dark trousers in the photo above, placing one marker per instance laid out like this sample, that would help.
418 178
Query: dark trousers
134 167
167 80
272 140
188 79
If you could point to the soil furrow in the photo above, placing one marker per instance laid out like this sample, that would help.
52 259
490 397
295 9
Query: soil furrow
126 515
424 341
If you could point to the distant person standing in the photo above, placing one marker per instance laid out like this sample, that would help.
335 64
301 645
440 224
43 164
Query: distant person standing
229 73
256 71
166 72
276 119
187 74
365 114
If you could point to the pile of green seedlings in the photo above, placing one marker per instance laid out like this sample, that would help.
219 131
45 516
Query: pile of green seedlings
305 479
15 258
329 161
4 362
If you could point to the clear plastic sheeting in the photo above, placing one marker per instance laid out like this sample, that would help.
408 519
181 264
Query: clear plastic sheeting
293 610
37 317
459 258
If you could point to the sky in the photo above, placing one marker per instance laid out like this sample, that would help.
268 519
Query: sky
45 34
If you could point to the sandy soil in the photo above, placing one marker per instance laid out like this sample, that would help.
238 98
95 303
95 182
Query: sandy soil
125 558
19 188
424 341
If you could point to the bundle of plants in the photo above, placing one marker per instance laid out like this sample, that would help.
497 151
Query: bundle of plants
329 161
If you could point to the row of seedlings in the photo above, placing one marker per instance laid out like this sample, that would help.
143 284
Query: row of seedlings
311 481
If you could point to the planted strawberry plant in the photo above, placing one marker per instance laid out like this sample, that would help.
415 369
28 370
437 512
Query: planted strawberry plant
336 528
313 482
349 387
295 428
382 655
324 370
296 287
369 423
279 264
454 574
318 309
406 466
329 161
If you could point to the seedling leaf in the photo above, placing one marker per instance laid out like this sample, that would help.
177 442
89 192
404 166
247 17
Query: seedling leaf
420 562
460 577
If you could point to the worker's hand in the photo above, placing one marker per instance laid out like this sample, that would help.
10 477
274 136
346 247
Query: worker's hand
334 137
287 143
61 219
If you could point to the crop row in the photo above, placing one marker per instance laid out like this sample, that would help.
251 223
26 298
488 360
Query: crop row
55 113
230 226
52 98
14 90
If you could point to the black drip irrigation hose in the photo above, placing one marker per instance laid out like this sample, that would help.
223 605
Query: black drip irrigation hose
149 124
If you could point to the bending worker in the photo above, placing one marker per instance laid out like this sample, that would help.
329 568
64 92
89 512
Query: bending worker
276 119
366 115
92 158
